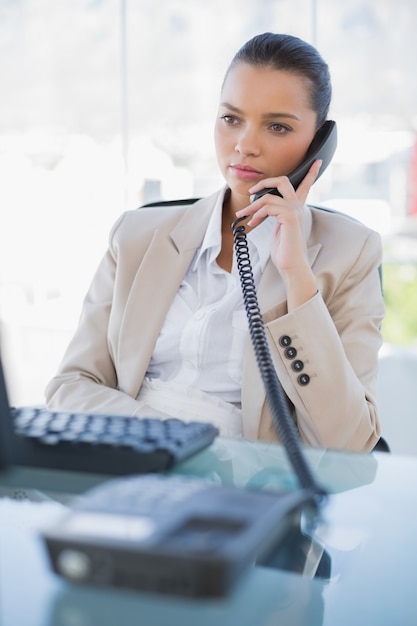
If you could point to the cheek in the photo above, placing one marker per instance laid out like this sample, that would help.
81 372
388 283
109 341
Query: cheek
221 142
285 160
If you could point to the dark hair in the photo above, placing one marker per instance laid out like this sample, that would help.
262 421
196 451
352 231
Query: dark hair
290 54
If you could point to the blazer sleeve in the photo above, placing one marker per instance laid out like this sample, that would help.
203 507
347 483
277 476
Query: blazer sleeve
331 377
87 379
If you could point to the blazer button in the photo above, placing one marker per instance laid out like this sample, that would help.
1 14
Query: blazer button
284 341
290 352
303 379
297 366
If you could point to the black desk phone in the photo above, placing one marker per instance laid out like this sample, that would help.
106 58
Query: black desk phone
173 535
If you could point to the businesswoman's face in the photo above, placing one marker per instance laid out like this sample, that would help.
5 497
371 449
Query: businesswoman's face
264 125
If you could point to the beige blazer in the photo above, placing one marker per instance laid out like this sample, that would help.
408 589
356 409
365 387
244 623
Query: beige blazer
336 334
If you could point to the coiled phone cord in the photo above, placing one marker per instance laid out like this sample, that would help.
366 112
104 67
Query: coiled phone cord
275 394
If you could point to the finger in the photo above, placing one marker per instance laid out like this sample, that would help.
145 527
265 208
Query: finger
247 211
275 182
257 217
255 206
308 181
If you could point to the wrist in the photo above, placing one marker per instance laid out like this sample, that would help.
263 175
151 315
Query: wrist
300 286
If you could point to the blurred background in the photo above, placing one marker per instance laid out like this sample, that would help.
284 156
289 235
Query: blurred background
106 104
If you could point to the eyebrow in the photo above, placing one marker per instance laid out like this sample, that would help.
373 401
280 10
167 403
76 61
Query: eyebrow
265 115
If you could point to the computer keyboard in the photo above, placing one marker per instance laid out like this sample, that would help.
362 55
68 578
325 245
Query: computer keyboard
105 444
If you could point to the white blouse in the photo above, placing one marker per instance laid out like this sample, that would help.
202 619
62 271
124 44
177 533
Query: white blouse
201 343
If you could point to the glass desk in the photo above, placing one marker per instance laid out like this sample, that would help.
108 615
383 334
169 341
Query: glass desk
367 536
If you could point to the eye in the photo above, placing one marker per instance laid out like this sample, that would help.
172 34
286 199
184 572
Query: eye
280 129
229 119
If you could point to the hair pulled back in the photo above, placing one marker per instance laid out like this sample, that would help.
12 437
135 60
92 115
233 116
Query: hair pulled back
290 54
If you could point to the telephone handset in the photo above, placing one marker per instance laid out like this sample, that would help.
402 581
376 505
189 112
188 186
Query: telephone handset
322 147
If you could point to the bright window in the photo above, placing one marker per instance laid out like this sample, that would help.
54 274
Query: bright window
109 103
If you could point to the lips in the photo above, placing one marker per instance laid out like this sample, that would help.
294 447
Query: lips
245 172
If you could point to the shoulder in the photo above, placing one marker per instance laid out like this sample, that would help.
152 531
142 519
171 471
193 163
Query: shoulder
345 244
147 218
325 215
328 223
138 226
164 214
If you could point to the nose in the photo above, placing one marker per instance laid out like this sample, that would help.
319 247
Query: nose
247 143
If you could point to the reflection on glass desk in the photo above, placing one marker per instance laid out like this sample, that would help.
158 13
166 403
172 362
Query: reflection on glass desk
367 534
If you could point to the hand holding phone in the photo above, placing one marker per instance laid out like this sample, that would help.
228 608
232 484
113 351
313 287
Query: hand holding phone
321 148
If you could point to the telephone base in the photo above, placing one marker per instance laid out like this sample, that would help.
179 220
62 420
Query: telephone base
195 544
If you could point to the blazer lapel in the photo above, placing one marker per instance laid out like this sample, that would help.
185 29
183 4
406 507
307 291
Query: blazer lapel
157 280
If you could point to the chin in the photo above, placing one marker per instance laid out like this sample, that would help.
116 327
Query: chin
240 188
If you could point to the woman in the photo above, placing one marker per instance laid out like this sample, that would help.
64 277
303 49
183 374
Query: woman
163 329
